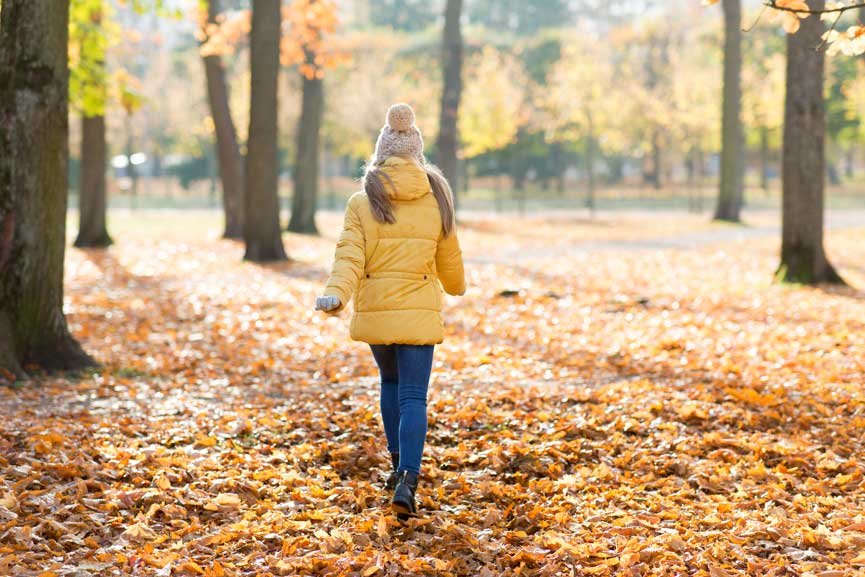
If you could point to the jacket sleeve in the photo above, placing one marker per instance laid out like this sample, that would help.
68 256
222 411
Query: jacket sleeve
349 259
449 264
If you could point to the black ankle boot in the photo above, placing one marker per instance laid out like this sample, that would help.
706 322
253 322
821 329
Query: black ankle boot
403 496
390 484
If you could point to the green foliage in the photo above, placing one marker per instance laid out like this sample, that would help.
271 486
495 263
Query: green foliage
493 102
404 15
158 7
90 33
128 91
191 170
541 53
842 123
763 85
522 17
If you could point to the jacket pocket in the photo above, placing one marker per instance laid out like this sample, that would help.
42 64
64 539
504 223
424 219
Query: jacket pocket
416 276
387 291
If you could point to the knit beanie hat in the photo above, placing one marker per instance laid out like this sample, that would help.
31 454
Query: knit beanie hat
400 136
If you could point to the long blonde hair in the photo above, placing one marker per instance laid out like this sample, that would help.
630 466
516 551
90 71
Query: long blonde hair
380 202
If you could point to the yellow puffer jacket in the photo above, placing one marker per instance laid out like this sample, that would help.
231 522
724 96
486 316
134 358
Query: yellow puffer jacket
393 270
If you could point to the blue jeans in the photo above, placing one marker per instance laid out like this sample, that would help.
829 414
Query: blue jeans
405 373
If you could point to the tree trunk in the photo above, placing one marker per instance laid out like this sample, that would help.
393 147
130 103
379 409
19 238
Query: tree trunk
764 158
803 259
92 229
701 177
732 133
452 75
34 156
691 182
227 149
833 174
261 229
306 165
131 170
590 164
653 175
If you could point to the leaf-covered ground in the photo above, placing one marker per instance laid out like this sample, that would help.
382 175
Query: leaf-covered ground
613 409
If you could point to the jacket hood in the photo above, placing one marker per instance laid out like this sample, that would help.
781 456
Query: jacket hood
408 181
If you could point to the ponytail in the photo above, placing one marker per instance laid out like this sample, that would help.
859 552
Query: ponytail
444 196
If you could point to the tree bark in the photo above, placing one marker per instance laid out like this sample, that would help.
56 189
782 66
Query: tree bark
131 169
590 164
732 133
261 229
653 175
691 171
92 228
764 158
34 156
227 149
701 177
803 259
557 156
452 74
833 174
306 165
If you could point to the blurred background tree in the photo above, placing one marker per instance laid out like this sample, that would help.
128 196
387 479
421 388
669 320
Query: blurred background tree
306 46
90 34
447 144
732 182
261 227
218 37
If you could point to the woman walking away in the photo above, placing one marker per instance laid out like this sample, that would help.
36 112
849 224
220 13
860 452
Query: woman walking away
398 243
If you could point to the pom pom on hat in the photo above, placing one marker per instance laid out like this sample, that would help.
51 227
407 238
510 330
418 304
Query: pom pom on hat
400 136
400 117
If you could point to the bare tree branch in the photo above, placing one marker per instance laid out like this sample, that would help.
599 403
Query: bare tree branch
837 10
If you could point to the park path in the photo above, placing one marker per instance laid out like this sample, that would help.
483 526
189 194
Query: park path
835 220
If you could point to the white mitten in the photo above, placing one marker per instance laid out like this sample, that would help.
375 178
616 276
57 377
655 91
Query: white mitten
327 303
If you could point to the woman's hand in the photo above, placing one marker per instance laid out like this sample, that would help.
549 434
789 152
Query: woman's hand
327 303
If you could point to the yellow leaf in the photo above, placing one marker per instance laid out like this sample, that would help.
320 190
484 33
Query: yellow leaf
793 4
749 395
223 501
139 531
791 23
162 482
205 441
382 528
192 567
692 411
628 559
160 562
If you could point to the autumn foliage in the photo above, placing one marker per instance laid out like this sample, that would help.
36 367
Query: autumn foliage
305 42
610 408
849 40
